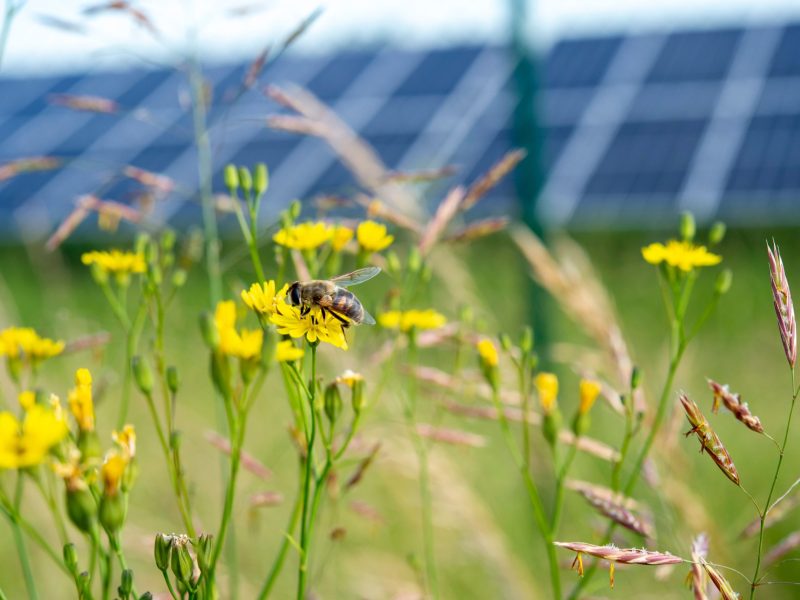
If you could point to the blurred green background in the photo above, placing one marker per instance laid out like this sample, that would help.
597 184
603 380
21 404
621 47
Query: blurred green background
486 540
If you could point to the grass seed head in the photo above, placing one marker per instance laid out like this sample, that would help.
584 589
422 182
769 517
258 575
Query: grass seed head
734 404
782 300
709 440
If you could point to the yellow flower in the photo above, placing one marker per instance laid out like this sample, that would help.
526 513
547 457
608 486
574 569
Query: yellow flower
314 326
305 236
245 344
411 319
341 235
547 387
683 255
27 399
80 400
111 472
372 236
26 444
126 439
250 342
349 378
260 297
18 341
225 316
588 392
488 352
71 471
115 262
288 352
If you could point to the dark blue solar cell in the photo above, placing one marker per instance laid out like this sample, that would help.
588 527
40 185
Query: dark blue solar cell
786 60
555 139
26 185
695 55
158 158
335 77
771 146
403 114
17 94
142 88
496 149
61 86
439 72
579 63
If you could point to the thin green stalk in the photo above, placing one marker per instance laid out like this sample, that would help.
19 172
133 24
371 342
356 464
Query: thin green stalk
302 574
116 547
131 342
22 552
3 595
533 494
764 513
25 526
169 585
249 234
561 477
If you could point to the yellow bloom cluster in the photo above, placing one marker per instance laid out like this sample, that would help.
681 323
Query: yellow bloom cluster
80 400
488 352
683 255
16 342
405 320
288 352
115 262
372 236
314 326
547 387
261 297
588 390
305 236
245 344
111 472
340 236
27 443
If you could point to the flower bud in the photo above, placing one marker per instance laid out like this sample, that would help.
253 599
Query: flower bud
333 402
526 340
295 208
126 583
231 178
173 381
179 277
505 342
221 374
204 548
393 265
414 260
161 551
141 243
551 425
358 396
113 511
71 559
182 563
209 330
142 374
245 179
636 378
81 509
151 252
688 227
146 596
89 444
717 233
261 179
84 583
723 283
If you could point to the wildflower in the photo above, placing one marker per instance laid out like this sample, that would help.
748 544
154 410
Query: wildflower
488 352
245 344
372 236
341 236
126 439
709 441
27 399
628 556
305 236
350 378
784 307
288 352
115 262
80 400
18 342
81 505
589 390
683 255
314 326
27 443
734 404
412 319
261 297
547 387
111 472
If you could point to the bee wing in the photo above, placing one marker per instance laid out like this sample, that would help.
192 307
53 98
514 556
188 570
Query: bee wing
356 277
368 319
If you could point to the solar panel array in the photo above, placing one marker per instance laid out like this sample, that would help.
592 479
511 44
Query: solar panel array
635 128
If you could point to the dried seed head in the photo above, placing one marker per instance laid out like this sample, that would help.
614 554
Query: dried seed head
628 556
697 574
725 589
709 440
616 511
734 404
782 300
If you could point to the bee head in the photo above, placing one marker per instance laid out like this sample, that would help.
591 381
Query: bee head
293 293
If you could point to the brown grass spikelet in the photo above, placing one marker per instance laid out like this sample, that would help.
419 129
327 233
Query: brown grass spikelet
627 556
362 467
86 103
722 584
709 440
782 300
584 487
734 404
615 510
697 576
478 229
28 164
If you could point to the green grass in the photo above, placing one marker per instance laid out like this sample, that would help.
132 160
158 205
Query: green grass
487 545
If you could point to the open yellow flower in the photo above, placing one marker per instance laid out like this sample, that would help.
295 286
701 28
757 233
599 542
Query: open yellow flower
305 236
245 344
405 320
126 439
18 342
588 392
372 236
27 443
27 399
260 297
683 255
349 378
111 472
341 235
547 387
80 400
314 326
488 352
288 352
115 262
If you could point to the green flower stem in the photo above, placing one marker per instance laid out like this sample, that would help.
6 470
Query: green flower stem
767 507
116 547
533 493
131 343
249 234
169 585
426 498
52 504
3 595
561 477
302 574
22 552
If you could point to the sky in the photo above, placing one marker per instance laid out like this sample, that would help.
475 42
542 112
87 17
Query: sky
237 30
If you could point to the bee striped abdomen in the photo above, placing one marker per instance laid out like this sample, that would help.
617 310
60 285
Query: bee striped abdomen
347 305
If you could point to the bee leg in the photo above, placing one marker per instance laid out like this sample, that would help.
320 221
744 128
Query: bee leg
304 310
341 319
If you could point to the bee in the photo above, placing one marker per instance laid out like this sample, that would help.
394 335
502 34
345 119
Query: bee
331 296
